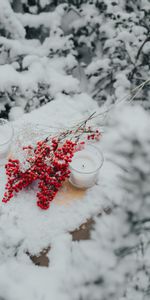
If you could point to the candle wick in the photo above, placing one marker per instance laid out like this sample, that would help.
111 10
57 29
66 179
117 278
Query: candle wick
83 166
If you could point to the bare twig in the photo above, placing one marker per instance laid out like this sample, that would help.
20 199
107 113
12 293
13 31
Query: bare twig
137 56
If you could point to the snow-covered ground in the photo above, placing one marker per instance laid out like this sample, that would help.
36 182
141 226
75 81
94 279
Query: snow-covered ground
26 228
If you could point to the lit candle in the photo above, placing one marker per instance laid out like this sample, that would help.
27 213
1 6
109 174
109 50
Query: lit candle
6 134
85 167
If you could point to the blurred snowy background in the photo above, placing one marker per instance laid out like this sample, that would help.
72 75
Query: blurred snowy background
81 56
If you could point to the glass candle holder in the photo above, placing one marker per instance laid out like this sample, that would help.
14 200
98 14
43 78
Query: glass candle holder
6 135
85 167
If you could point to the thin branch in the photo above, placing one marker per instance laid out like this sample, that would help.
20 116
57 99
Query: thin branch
137 56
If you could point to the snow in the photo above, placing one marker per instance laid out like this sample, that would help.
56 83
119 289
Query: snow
24 227
48 19
97 65
70 17
9 21
146 48
21 47
40 70
15 113
94 258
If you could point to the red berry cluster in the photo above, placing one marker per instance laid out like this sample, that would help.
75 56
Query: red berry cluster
48 164
94 135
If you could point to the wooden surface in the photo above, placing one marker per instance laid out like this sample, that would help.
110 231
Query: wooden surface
82 233
68 193
65 196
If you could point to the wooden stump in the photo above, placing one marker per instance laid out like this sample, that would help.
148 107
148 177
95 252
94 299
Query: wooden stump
65 196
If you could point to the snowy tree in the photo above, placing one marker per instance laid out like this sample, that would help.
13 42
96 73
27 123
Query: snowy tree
34 70
102 47
117 36
114 263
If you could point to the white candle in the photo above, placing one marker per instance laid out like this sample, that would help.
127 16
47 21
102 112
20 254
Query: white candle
6 134
85 167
